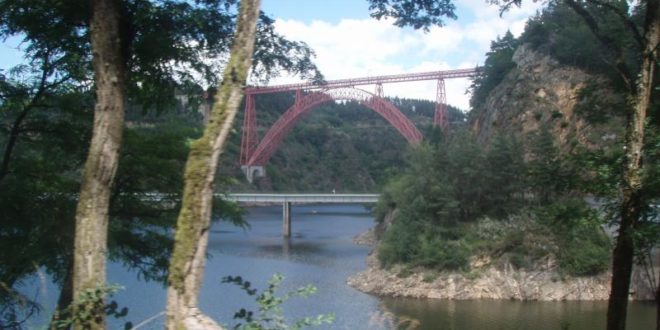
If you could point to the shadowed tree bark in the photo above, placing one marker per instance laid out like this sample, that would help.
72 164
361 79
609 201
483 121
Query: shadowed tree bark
101 164
188 258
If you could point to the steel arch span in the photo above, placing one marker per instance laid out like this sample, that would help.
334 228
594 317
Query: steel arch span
260 154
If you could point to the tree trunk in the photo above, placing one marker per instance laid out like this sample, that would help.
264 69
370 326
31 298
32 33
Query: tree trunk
188 257
631 204
11 143
64 300
101 164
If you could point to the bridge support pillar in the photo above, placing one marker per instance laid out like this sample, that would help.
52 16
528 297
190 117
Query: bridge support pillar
286 219
253 171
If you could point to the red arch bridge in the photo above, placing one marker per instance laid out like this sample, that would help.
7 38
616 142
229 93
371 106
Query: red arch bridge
255 153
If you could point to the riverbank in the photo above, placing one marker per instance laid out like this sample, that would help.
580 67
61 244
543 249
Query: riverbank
486 282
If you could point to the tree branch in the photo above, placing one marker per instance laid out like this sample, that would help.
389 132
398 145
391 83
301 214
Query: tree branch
16 127
624 19
607 42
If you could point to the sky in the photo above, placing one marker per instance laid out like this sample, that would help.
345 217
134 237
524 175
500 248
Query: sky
10 54
349 44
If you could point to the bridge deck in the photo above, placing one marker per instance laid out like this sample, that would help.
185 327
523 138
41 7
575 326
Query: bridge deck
303 198
371 80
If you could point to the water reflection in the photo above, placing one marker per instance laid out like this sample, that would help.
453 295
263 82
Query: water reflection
514 315
286 246
320 252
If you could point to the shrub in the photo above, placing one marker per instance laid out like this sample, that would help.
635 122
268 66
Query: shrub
585 252
556 114
518 260
429 277
581 259
410 244
86 308
439 253
583 246
271 315
399 244
405 272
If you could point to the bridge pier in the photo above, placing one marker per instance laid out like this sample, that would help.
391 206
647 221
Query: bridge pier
286 219
253 171
286 247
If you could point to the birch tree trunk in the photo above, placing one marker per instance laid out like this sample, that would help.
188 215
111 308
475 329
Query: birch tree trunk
631 204
189 255
101 165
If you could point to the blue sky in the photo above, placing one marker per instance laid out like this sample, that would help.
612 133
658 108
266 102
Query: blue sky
348 43
10 55
331 11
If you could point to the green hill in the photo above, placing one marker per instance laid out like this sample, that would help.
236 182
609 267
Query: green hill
339 145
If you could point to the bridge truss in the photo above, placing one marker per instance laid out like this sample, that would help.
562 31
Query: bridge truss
255 153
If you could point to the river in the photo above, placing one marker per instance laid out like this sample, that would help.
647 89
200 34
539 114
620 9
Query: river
320 252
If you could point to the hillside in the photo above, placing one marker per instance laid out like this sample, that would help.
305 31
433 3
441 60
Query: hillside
340 146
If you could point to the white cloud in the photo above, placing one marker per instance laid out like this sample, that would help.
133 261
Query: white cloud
351 47
367 47
442 39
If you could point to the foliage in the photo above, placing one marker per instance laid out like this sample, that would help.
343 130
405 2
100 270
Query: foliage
15 308
458 199
270 315
518 239
427 200
167 45
562 33
146 195
597 108
497 64
504 185
415 13
144 202
39 187
647 234
45 121
87 306
443 253
584 247
548 170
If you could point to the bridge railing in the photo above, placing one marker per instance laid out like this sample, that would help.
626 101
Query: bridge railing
302 198
352 82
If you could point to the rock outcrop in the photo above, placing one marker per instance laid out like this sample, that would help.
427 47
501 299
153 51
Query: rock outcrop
539 91
492 283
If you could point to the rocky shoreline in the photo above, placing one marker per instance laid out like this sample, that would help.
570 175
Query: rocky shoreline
486 282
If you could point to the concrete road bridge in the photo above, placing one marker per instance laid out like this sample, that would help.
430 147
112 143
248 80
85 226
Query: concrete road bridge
287 200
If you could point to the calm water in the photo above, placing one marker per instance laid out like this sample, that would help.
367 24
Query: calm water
321 253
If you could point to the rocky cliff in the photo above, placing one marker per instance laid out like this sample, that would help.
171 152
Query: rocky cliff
541 92
489 282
